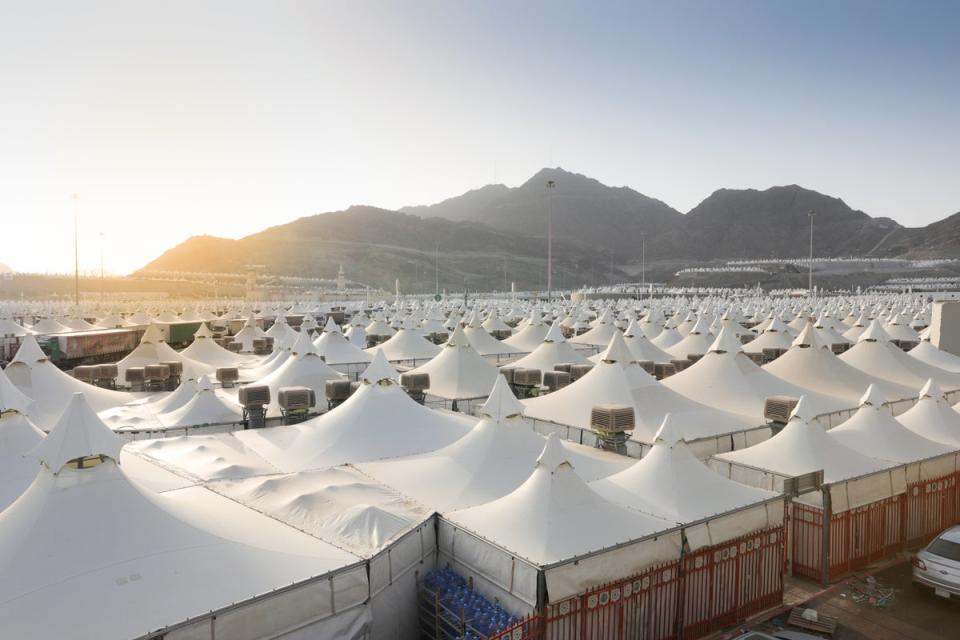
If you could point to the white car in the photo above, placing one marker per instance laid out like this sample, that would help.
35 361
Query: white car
938 565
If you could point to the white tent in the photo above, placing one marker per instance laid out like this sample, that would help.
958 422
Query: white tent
812 365
38 378
554 516
49 326
875 355
641 346
617 379
378 421
601 333
873 432
204 349
206 407
696 342
552 351
527 338
775 336
85 544
336 349
407 344
490 461
248 334
17 436
303 368
932 417
931 355
483 342
154 350
727 379
803 446
458 372
671 483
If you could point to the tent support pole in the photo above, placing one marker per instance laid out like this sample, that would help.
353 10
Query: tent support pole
825 536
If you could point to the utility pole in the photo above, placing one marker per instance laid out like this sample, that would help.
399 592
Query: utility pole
101 266
643 261
811 215
436 269
76 251
551 185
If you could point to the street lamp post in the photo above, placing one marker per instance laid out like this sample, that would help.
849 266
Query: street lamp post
76 251
551 185
811 215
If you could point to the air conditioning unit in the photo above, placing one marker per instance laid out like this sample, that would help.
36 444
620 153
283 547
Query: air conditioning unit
156 373
554 380
269 340
680 365
438 338
693 358
228 376
526 377
799 485
260 347
337 391
577 371
133 376
507 373
415 381
254 399
86 373
292 398
906 345
234 347
663 370
501 334
777 409
839 347
175 367
758 359
648 366
257 395
295 403
746 337
772 353
563 366
611 423
106 376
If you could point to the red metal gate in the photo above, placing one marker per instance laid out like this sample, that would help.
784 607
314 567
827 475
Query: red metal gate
726 583
708 590
866 534
806 542
931 508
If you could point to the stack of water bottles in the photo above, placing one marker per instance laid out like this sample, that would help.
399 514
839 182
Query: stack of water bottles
460 612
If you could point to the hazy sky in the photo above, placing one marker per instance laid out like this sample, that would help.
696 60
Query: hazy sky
178 117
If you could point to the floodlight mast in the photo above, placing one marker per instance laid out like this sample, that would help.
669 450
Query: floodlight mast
551 185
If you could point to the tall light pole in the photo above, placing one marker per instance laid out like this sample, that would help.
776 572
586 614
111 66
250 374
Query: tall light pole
551 185
76 251
101 266
811 215
436 269
643 262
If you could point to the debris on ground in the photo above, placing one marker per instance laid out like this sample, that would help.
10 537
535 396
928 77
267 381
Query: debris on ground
868 590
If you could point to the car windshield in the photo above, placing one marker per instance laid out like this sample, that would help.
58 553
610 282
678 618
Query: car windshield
945 549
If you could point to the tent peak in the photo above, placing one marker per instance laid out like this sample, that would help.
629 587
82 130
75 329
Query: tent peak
501 404
554 455
379 370
79 433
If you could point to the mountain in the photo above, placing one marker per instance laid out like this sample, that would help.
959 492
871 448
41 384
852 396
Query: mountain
585 211
377 246
747 223
495 235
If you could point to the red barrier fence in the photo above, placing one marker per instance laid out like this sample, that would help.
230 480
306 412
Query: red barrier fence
707 590
866 534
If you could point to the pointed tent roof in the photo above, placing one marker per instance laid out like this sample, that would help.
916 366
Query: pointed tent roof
11 398
872 431
379 370
563 517
501 403
78 434
671 483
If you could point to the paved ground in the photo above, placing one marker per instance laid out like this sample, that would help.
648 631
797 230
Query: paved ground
879 604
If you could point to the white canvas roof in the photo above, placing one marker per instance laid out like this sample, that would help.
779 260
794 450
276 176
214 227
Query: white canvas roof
378 421
17 437
929 354
552 351
336 349
303 368
932 418
671 483
814 366
490 461
526 338
874 355
483 342
458 371
204 349
601 333
561 516
38 378
113 560
407 344
338 505
803 446
727 379
640 345
617 379
206 407
873 432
